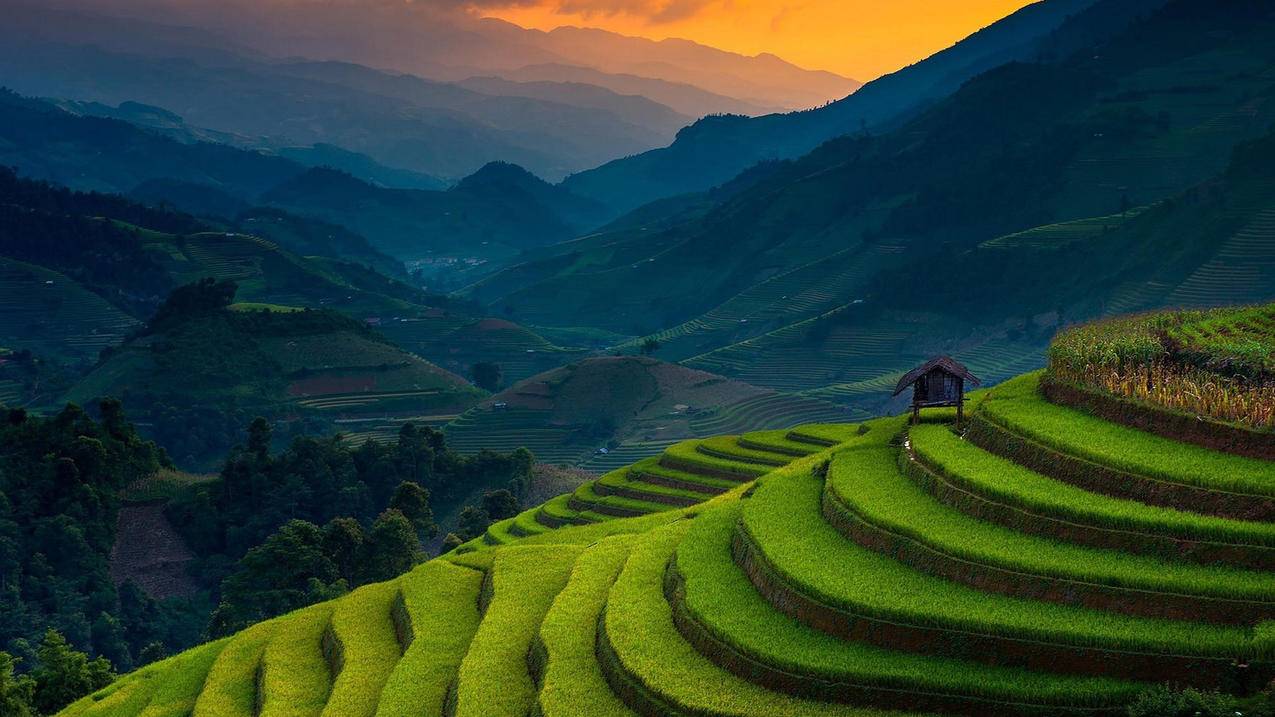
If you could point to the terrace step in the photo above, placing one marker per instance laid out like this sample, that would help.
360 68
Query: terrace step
624 484
651 471
728 448
167 687
562 659
493 680
366 645
295 676
718 611
991 488
686 457
437 616
655 671
230 688
556 513
778 442
800 564
1017 423
825 435
870 501
587 499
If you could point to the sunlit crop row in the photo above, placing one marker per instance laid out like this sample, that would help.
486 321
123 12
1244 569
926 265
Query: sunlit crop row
1218 363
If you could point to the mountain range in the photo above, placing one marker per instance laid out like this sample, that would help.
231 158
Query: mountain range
577 108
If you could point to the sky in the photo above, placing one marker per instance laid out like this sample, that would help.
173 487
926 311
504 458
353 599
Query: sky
862 39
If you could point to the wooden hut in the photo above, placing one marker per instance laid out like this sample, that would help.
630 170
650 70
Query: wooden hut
937 382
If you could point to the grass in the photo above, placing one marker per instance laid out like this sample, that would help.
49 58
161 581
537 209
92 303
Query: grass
687 458
777 442
441 600
721 599
653 654
167 688
230 689
626 479
586 495
652 469
261 306
728 447
163 485
573 683
183 677
870 484
1004 481
493 679
783 519
364 625
1017 405
295 679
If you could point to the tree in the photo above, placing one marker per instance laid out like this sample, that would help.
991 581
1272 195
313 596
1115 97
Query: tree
64 674
472 523
274 578
259 436
451 542
649 346
152 652
345 544
486 375
392 547
17 693
109 641
500 504
413 502
200 298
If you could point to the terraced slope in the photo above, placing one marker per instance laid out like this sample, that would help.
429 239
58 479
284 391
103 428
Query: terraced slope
52 315
826 570
633 406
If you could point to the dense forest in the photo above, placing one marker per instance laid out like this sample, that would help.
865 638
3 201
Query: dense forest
274 532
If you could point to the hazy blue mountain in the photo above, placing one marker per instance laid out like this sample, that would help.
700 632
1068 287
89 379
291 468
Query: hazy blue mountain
684 98
717 148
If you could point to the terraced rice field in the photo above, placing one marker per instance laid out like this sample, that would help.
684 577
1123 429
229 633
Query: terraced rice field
1053 236
50 314
504 429
457 342
831 569
10 392
805 291
783 359
1243 270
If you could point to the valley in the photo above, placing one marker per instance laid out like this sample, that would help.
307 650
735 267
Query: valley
386 359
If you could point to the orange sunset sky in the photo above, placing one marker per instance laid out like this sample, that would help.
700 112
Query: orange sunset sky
857 38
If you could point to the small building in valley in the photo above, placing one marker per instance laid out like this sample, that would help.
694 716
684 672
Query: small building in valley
936 383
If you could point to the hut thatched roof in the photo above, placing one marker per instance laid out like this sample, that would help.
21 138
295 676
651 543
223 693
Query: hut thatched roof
947 363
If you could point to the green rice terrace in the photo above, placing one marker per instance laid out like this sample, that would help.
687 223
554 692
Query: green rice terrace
607 412
1048 556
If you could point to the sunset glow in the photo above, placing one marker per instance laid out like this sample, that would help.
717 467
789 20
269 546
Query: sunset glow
857 38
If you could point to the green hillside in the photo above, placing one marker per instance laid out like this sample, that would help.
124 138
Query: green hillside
607 412
1040 560
304 367
50 314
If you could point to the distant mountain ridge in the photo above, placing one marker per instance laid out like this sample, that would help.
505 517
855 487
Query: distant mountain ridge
716 149
89 153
